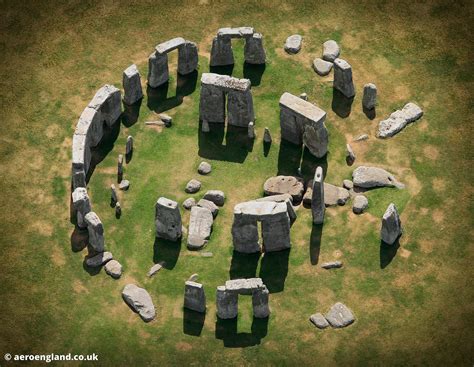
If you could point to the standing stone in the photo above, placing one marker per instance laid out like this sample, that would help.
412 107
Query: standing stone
221 52
120 168
343 78
322 67
118 209
187 58
391 225
254 53
316 139
140 301
240 107
369 98
216 196
113 195
205 127
129 146
212 103
251 130
245 234
96 231
350 156
293 44
158 72
260 303
319 321
108 102
360 204
317 200
131 85
114 269
200 227
82 205
267 138
227 303
194 296
331 50
168 219
276 232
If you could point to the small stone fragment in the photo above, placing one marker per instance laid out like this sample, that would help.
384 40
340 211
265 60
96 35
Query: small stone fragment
114 269
193 186
304 96
331 50
319 321
99 259
113 195
124 185
204 168
391 225
350 156
362 137
193 277
369 98
322 67
167 119
216 196
348 184
339 316
293 44
334 195
267 138
204 203
154 269
140 301
360 204
332 265
189 203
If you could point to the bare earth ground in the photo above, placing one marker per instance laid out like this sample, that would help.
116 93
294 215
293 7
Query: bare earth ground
413 306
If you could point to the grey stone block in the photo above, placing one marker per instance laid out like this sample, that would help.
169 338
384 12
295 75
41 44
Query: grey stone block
168 220
194 296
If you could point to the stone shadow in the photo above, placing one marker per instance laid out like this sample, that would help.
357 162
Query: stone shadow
193 322
309 164
226 330
211 145
79 239
274 270
341 105
371 114
289 158
166 252
254 73
388 252
130 113
243 265
223 69
315 243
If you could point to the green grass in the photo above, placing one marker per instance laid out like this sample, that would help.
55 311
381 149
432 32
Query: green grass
416 310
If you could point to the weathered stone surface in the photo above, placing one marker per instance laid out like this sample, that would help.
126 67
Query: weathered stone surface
334 195
189 203
119 168
113 195
204 168
129 145
131 85
200 226
331 50
398 120
283 198
362 137
78 178
81 154
170 45
369 99
158 72
154 269
391 225
339 316
96 231
240 108
194 277
267 138
194 296
360 204
168 219
316 139
216 196
237 32
276 232
343 78
369 177
82 205
227 303
99 259
227 83
318 197
107 101
90 125
319 321
251 130
114 269
254 53
322 67
348 184
118 209
293 44
124 185
188 58
140 301
260 303
221 52
193 186
284 185
245 233
332 265
244 286
204 203
350 156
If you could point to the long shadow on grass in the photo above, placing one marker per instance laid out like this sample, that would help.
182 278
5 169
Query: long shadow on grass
166 252
315 243
387 253
341 105
254 73
236 147
243 265
226 330
223 69
130 113
274 270
79 239
289 158
193 322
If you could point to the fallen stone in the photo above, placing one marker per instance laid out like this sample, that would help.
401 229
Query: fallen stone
343 78
189 203
293 44
360 204
204 203
154 269
322 67
362 137
348 184
216 196
319 321
350 156
391 225
339 316
284 185
131 85
204 168
331 50
155 123
168 220
200 226
140 301
332 265
370 177
167 119
124 185
99 259
207 254
369 99
114 269
398 120
194 296
254 53
267 138
193 186
334 195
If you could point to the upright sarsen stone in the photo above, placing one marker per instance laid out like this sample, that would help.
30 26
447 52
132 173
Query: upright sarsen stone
212 104
227 303
254 53
221 52
343 78
82 205
158 72
96 231
260 303
317 200
194 296
187 58
391 225
245 234
369 99
131 85
240 107
108 102
168 219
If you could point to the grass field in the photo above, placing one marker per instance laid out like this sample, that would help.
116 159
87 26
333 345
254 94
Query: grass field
414 309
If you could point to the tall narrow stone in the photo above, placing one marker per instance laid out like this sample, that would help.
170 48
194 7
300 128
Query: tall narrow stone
82 205
260 303
129 145
391 225
317 200
212 104
245 234
254 53
113 195
96 231
221 52
131 85
168 219
194 296
158 73
267 138
316 139
343 78
240 107
369 99
108 102
187 58
251 130
227 303
120 168
276 232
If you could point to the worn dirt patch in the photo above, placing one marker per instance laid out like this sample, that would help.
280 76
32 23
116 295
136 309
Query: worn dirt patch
438 216
439 184
183 346
402 92
57 256
79 287
405 253
431 152
404 280
426 246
